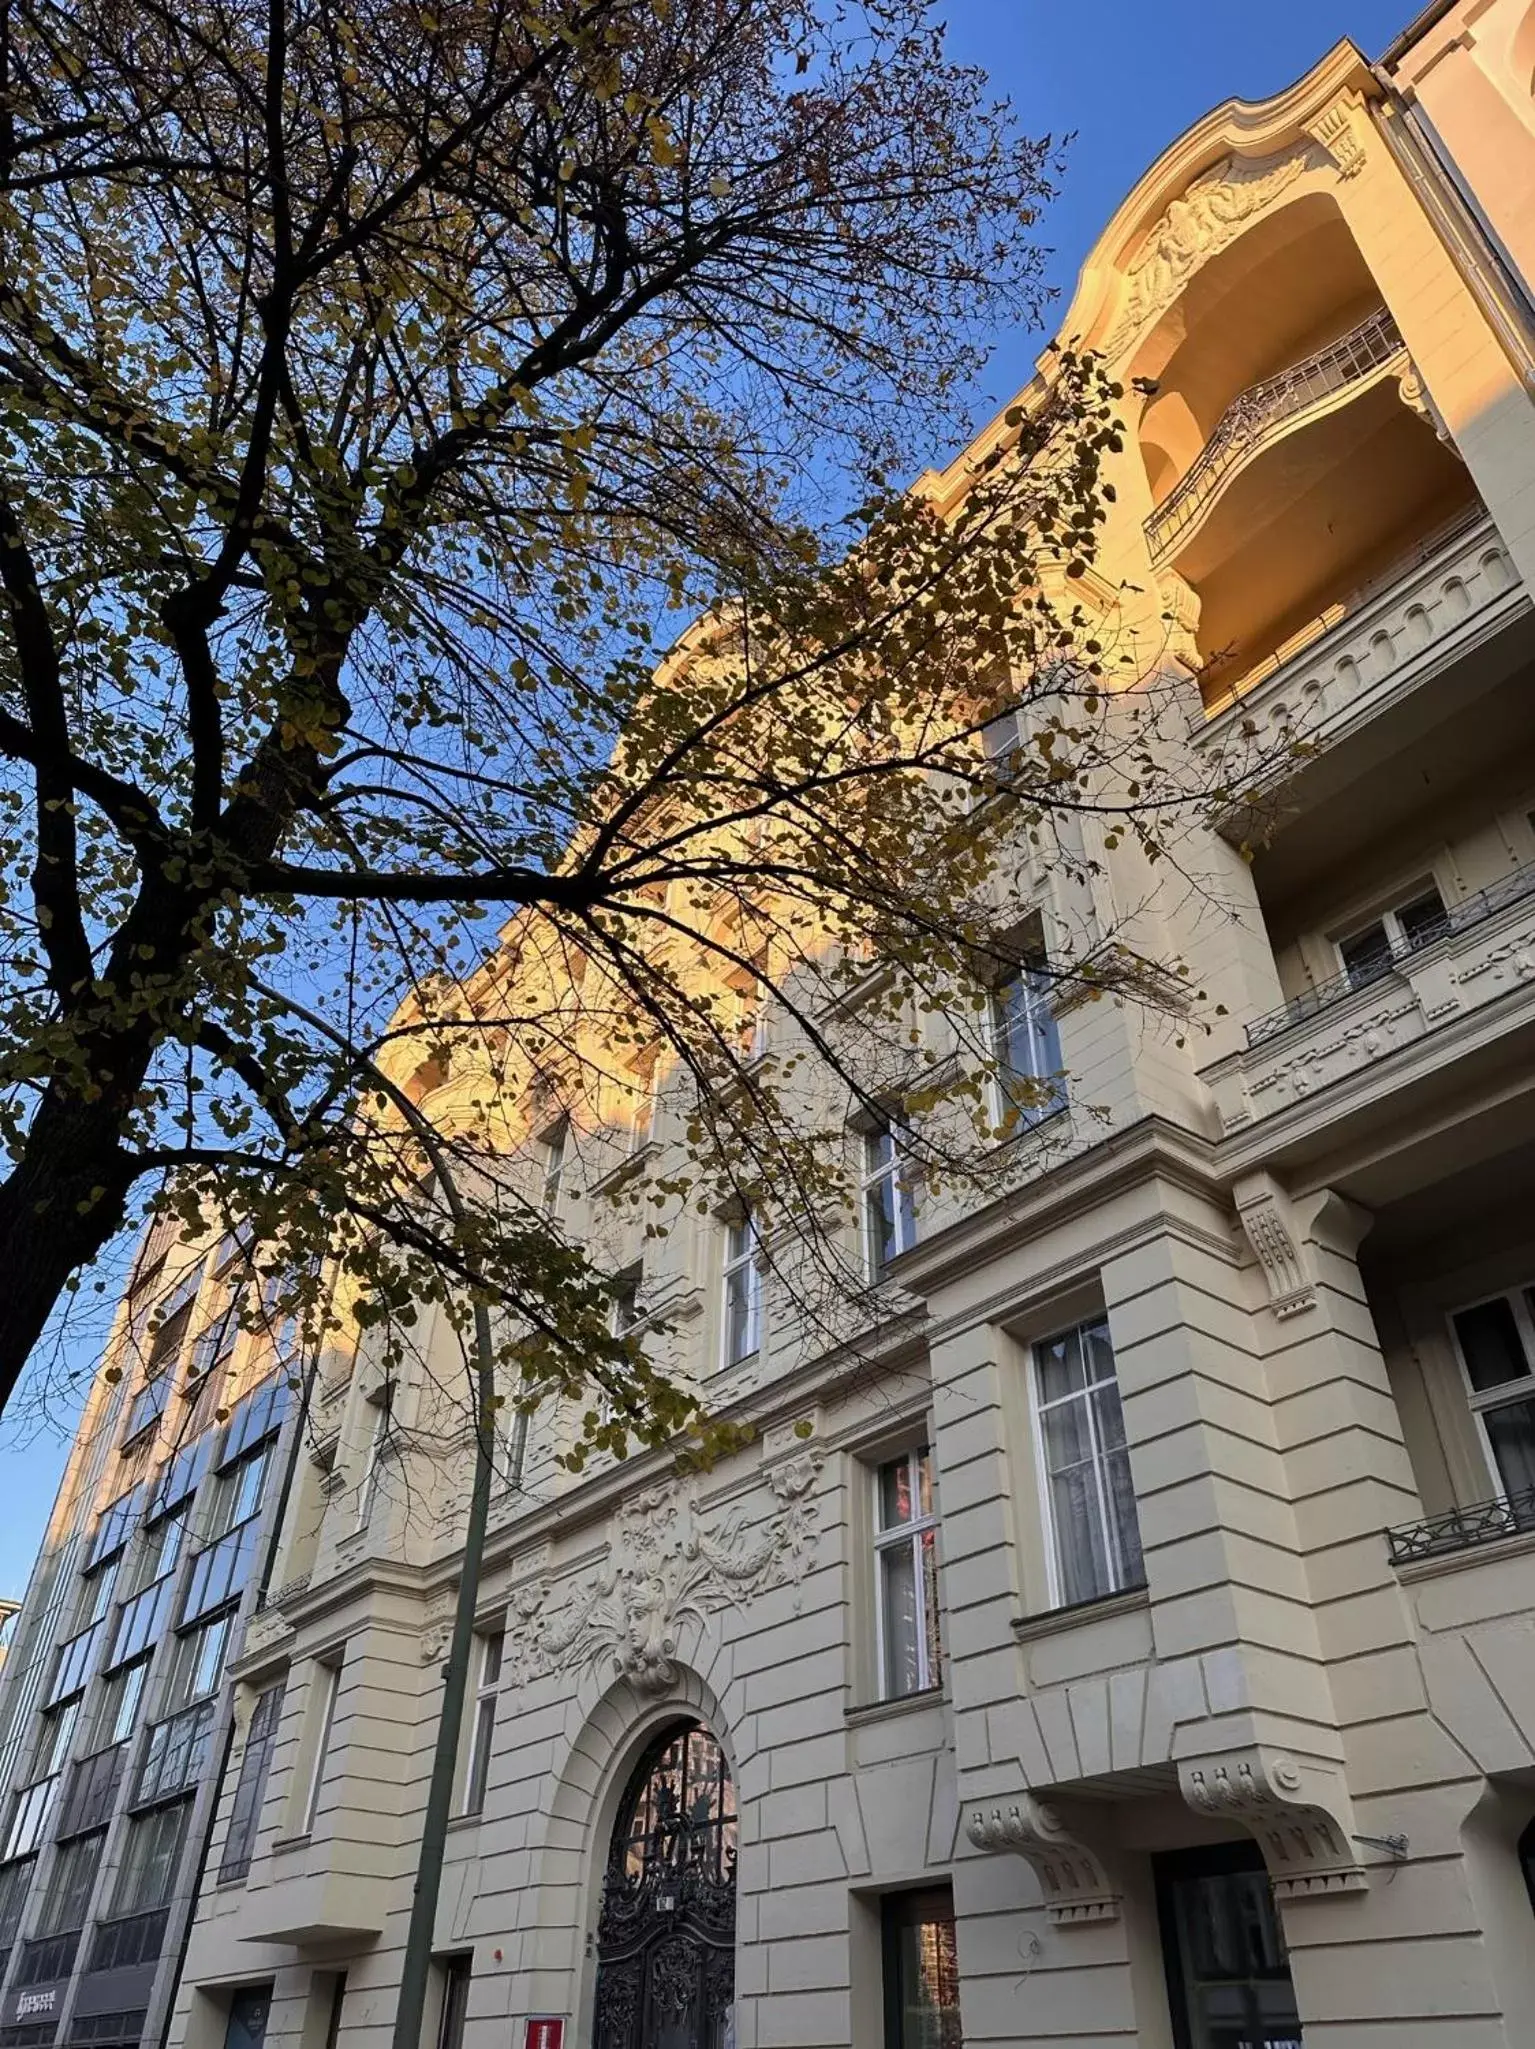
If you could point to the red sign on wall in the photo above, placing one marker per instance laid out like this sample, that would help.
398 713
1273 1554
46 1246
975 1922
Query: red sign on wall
545 2031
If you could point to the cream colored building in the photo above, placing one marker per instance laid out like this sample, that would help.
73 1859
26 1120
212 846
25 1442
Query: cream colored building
1142 1649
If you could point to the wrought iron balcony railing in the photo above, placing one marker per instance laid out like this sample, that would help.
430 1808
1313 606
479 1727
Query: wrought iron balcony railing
1252 416
1461 917
1484 1522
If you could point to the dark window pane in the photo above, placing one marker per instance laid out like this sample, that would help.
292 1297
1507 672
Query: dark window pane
921 1972
1491 1345
1511 1433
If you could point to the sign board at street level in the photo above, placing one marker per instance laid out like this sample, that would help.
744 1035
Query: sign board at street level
545 2031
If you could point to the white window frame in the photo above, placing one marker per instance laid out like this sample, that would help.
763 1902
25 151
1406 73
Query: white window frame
1044 1034
382 1405
905 1536
1480 1400
1401 948
742 1264
554 1147
873 1176
1037 1410
482 1721
328 1671
644 1077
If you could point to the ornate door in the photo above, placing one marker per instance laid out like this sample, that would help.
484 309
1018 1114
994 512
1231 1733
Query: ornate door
666 1934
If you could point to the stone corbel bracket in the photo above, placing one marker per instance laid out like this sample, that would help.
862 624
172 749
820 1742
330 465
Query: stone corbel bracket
1272 1230
1077 1889
1341 130
1299 1815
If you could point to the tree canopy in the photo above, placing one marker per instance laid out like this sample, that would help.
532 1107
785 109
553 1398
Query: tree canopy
449 464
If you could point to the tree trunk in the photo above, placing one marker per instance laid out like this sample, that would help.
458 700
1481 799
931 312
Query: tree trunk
60 1204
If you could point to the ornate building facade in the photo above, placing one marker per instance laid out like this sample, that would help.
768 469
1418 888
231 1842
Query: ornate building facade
1137 1644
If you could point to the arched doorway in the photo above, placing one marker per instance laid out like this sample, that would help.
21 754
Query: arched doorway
667 1929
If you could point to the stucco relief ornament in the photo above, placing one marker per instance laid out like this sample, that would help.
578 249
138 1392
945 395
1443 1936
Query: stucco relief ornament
1210 213
1299 1816
1076 1887
668 1561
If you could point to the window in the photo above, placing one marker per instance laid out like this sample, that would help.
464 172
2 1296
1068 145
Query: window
482 1728
921 1971
554 1144
121 1699
237 1493
378 1444
1089 1502
1368 953
323 1711
889 1201
68 1892
906 1571
250 2008
1228 1974
626 1314
151 1856
250 1787
164 1544
197 1663
456 1975
746 1011
1026 1048
1496 1343
1002 741
642 1104
215 1342
742 1336
58 1733
15 1883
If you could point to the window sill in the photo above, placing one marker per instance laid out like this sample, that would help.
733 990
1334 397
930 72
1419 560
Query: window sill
1517 1544
892 1710
460 1824
1101 1608
300 1842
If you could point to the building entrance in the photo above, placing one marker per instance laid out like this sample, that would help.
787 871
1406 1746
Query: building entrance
666 1934
1228 1972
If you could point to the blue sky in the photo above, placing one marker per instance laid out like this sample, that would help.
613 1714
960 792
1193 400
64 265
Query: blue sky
1126 79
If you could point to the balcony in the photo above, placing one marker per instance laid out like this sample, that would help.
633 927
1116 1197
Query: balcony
1363 655
92 1791
176 1755
1463 1529
1453 991
1267 410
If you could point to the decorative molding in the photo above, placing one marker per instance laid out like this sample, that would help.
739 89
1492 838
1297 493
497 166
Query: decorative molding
1272 1230
1077 1889
1299 1816
668 1560
1413 393
1180 607
437 1625
1339 130
1211 213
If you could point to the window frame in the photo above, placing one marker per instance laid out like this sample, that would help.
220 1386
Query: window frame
1054 1562
554 1150
323 1721
1509 1394
907 1535
904 1212
1027 974
482 1720
382 1404
1398 946
238 1849
735 1265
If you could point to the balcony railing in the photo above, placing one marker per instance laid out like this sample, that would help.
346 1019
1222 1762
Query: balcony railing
1250 418
92 1789
48 1957
132 1939
176 1754
1461 917
1485 1522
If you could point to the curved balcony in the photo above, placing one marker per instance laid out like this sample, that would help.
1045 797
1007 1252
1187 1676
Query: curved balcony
1259 414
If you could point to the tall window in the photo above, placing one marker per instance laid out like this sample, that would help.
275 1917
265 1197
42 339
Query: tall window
237 1492
378 1441
151 1858
1228 1972
554 1145
121 1699
921 1971
1090 1504
457 1972
1026 1047
15 1883
626 1314
1496 1342
70 1881
906 1571
482 1729
328 1683
742 1292
889 1201
250 1787
197 1663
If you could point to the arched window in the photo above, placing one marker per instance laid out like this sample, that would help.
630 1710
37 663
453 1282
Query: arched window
666 1934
